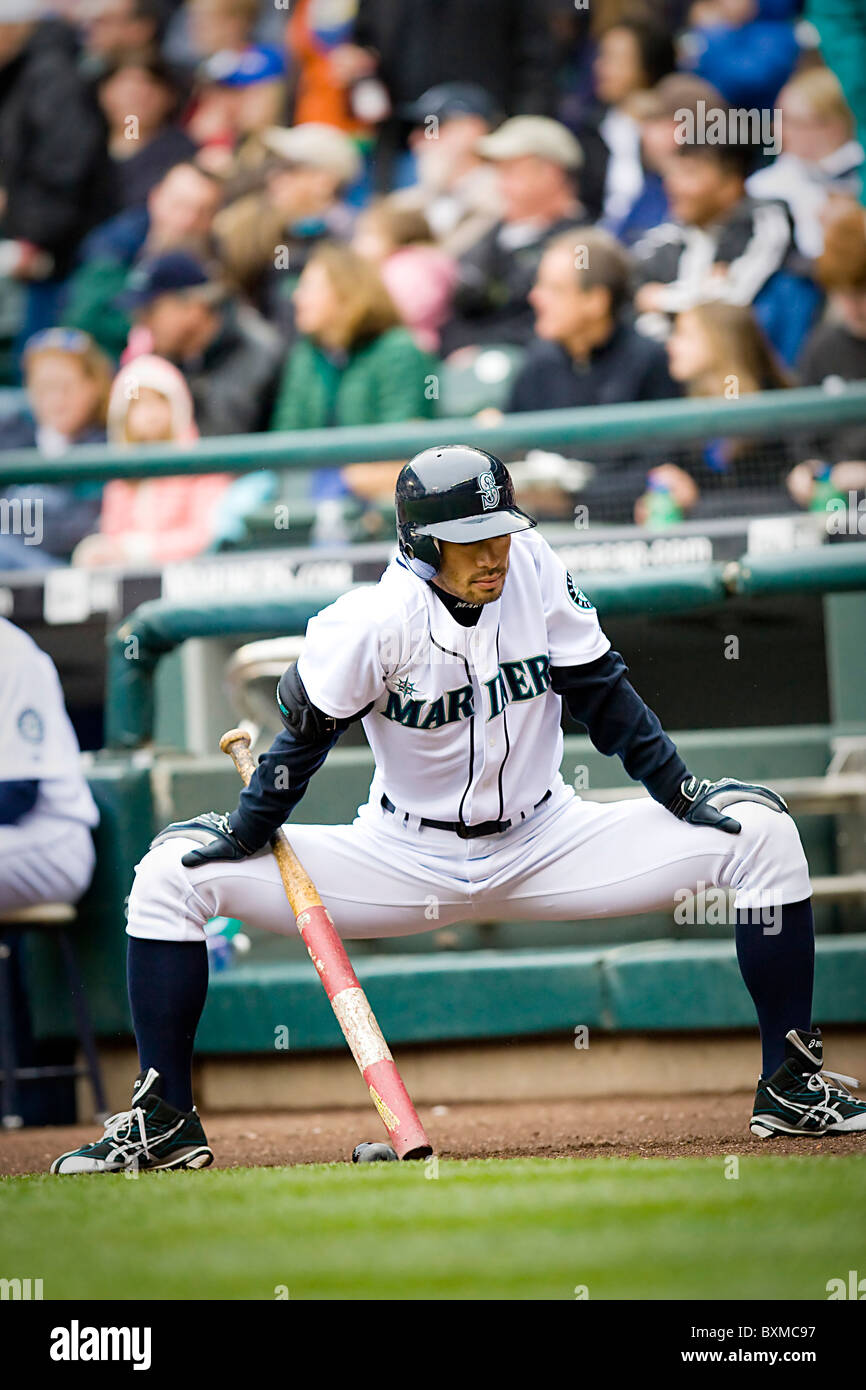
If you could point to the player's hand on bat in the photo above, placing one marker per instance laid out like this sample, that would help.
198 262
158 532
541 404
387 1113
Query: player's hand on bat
212 830
702 802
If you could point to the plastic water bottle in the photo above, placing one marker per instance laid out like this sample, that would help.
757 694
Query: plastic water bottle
824 492
662 509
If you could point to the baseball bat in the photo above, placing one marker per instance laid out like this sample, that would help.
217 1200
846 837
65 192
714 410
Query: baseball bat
348 1000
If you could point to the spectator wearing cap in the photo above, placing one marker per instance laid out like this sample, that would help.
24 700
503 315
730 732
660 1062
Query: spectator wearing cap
140 97
55 179
722 244
820 157
67 379
506 46
633 55
179 213
239 94
585 351
456 190
660 113
537 161
265 239
228 355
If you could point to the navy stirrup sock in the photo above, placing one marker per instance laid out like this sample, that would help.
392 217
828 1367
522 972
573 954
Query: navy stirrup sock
778 967
167 983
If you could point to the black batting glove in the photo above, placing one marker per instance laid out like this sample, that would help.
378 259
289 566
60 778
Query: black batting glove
701 802
218 840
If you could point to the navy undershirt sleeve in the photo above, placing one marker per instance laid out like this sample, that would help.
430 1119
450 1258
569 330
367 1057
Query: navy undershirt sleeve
16 799
278 784
599 696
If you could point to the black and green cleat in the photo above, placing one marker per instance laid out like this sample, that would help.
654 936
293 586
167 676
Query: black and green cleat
150 1135
804 1100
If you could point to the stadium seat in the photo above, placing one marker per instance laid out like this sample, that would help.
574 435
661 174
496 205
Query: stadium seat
478 379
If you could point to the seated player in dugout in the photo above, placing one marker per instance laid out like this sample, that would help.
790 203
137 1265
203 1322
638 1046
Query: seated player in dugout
457 663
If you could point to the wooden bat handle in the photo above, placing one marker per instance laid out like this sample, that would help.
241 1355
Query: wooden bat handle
300 889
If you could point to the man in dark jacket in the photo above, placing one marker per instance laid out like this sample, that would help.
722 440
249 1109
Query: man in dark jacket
227 352
586 352
55 180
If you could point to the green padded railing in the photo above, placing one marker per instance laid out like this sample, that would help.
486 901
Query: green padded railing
158 626
635 424
830 569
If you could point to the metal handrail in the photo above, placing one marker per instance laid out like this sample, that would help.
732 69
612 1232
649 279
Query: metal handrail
635 424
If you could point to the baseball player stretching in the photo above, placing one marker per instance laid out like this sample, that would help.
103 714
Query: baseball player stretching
457 663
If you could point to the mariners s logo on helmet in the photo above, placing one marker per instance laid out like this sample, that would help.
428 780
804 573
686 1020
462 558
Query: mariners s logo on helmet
489 491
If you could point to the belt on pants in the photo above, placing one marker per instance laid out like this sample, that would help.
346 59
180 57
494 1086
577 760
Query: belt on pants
465 832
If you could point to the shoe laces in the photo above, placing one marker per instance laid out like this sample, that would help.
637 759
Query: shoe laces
821 1080
120 1130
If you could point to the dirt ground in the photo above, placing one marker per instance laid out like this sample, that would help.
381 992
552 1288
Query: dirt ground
644 1127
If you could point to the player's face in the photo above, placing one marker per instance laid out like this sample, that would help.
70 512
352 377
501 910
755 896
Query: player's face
475 573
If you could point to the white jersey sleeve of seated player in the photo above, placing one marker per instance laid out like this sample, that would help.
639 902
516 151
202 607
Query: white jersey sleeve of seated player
37 740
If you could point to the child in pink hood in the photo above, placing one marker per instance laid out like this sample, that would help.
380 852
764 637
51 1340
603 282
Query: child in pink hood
153 520
418 274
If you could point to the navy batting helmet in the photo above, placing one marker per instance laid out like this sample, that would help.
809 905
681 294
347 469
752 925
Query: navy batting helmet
454 493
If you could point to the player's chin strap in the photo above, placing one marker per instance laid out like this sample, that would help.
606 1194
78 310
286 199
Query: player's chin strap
419 567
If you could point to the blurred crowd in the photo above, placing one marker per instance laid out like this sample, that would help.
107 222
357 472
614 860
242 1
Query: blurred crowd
227 216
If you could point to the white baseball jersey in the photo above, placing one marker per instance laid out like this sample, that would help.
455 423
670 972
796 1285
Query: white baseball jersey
463 723
37 740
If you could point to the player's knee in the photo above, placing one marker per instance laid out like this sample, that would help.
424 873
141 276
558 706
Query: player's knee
773 834
161 901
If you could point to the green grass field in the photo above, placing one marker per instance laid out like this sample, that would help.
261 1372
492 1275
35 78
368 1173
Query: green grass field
527 1228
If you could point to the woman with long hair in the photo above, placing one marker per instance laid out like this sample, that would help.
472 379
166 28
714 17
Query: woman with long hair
356 363
719 350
